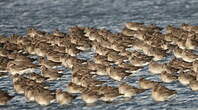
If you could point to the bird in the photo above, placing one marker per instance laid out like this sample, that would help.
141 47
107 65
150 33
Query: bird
195 66
140 61
89 96
20 67
191 43
37 77
44 97
128 90
48 63
4 97
134 26
156 68
30 92
185 78
50 73
147 84
189 56
194 85
116 73
168 77
74 88
177 52
63 97
161 93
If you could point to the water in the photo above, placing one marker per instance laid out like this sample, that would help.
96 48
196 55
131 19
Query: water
17 15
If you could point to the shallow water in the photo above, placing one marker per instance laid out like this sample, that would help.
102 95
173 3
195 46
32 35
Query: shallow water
17 15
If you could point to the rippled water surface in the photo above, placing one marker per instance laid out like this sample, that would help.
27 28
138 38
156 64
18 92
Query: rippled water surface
17 15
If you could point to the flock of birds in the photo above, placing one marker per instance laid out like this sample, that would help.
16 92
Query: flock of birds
116 55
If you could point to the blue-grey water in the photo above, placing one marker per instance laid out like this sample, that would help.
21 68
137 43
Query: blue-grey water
17 15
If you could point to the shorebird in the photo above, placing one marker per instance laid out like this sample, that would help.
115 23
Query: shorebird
191 43
13 39
180 64
118 47
89 96
115 57
73 51
19 86
93 35
102 60
4 97
172 29
156 68
11 47
171 69
32 32
181 43
189 56
129 67
54 56
195 66
63 97
58 49
90 81
147 84
117 73
48 63
113 38
21 82
30 92
105 33
185 78
134 26
81 76
19 57
194 85
57 33
100 50
177 52
44 97
76 78
168 77
128 90
99 68
154 27
140 45
74 88
110 96
131 33
36 77
4 52
157 53
3 66
105 43
161 93
3 39
107 93
190 28
30 49
81 67
70 61
140 61
170 37
20 67
81 42
49 73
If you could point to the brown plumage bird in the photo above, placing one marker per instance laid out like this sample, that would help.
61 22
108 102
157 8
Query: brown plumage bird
161 93
4 97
